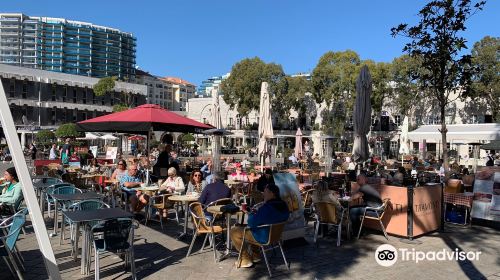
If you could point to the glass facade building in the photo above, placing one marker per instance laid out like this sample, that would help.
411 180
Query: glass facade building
66 46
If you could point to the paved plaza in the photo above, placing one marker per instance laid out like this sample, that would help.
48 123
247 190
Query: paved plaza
160 256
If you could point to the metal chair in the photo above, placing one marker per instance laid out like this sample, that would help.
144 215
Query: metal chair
202 225
8 249
326 214
50 190
161 203
274 241
114 236
375 213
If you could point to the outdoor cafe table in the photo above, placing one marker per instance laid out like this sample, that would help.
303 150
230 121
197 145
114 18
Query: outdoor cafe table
186 199
216 209
70 197
86 217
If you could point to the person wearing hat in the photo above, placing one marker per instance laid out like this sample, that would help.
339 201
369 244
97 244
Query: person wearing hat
238 175
273 211
12 191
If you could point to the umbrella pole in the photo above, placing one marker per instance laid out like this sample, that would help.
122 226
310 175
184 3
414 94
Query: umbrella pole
147 142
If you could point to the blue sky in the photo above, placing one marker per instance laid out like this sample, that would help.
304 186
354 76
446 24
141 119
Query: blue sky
195 40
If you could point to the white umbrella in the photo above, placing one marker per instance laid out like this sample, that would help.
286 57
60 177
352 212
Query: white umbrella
403 139
89 136
265 122
362 115
298 143
108 137
217 123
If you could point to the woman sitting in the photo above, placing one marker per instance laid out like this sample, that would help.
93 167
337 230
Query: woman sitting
196 182
93 166
11 191
323 194
120 170
173 183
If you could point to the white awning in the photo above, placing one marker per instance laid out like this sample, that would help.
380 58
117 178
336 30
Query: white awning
457 132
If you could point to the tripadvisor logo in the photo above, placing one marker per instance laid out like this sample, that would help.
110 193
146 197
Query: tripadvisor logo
387 255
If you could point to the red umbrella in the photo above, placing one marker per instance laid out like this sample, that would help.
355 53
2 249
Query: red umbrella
136 138
141 119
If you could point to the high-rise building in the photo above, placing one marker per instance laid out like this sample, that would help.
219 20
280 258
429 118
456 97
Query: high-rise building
205 89
67 46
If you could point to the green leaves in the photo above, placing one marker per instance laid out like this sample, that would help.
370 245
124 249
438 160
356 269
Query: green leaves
120 108
68 130
105 85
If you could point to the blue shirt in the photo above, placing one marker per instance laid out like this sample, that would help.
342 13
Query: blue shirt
126 178
272 212
213 192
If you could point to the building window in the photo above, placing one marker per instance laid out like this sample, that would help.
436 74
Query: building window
65 95
25 89
53 116
230 121
397 120
84 99
94 101
54 87
74 95
12 88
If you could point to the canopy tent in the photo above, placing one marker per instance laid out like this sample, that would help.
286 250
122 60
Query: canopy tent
141 120
493 145
457 132
108 137
89 136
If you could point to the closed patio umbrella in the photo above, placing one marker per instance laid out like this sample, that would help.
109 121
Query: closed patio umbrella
403 139
217 123
362 115
265 123
298 143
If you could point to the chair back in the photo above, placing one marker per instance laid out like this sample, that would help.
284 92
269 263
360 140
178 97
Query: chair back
46 181
67 190
90 204
275 232
16 224
199 220
468 180
384 206
307 198
115 233
453 186
327 212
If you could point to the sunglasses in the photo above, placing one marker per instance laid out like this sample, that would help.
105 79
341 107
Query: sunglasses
197 175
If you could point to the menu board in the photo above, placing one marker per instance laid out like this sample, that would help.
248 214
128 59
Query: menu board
289 192
111 152
486 203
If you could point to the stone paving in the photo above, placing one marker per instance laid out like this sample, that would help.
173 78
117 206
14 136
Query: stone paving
160 256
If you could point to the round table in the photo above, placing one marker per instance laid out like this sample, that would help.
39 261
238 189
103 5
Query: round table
186 199
150 190
216 209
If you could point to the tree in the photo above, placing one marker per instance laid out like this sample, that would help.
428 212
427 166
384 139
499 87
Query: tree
405 88
120 108
242 89
334 82
485 80
381 77
296 97
436 42
45 137
104 86
68 130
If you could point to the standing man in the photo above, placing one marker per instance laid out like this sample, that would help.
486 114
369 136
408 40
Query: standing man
33 151
371 198
66 151
53 152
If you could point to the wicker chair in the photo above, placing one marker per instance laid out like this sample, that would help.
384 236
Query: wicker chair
161 203
326 214
274 241
202 225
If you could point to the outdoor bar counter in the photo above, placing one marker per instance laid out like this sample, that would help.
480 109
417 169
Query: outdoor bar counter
398 218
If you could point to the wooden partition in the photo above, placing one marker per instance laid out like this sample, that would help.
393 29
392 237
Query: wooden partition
426 210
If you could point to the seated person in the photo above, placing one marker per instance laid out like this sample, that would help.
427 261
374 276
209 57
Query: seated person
238 175
267 178
120 170
216 190
399 177
196 182
245 163
371 198
12 191
128 183
323 194
93 166
293 159
274 210
173 183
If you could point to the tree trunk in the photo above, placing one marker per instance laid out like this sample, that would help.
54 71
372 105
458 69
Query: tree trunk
444 130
